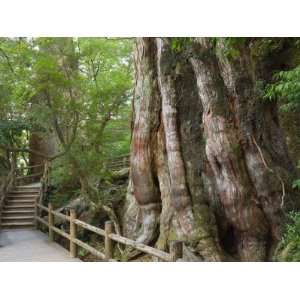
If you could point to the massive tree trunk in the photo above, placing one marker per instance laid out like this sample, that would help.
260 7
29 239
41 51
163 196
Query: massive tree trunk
209 162
45 144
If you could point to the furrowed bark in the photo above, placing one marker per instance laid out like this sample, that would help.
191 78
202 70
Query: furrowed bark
246 149
146 108
226 157
208 150
199 231
158 171
179 195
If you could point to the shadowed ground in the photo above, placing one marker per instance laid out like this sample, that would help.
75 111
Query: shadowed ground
20 245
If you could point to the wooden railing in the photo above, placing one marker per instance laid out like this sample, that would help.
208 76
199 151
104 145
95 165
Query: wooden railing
118 163
17 176
22 178
110 238
6 186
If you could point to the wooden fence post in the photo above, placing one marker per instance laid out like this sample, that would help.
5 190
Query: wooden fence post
36 214
108 242
50 222
73 246
176 250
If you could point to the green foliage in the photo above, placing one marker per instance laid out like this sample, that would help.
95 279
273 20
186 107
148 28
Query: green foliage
82 252
230 45
180 44
262 48
286 89
80 87
289 247
296 184
12 129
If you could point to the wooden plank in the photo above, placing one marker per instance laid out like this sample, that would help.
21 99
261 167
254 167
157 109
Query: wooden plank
30 167
60 215
176 248
144 248
90 227
109 228
73 246
30 176
42 221
36 214
90 249
50 222
61 232
42 207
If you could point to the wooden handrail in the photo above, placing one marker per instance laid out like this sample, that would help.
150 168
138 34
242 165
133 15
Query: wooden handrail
90 227
7 185
144 248
30 167
42 207
60 215
108 233
42 221
114 164
109 237
4 189
90 249
30 176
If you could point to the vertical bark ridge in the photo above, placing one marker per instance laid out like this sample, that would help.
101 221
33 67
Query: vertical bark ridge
267 159
198 232
146 104
179 194
227 160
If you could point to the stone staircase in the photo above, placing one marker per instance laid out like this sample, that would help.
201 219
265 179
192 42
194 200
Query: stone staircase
19 205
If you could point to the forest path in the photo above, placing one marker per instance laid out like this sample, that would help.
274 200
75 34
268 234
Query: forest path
24 245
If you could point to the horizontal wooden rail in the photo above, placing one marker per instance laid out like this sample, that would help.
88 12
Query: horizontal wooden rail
144 248
61 232
109 237
118 157
30 167
60 215
30 176
42 221
42 207
90 249
118 163
90 227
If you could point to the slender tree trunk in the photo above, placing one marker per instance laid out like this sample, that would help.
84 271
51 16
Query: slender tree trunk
209 163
